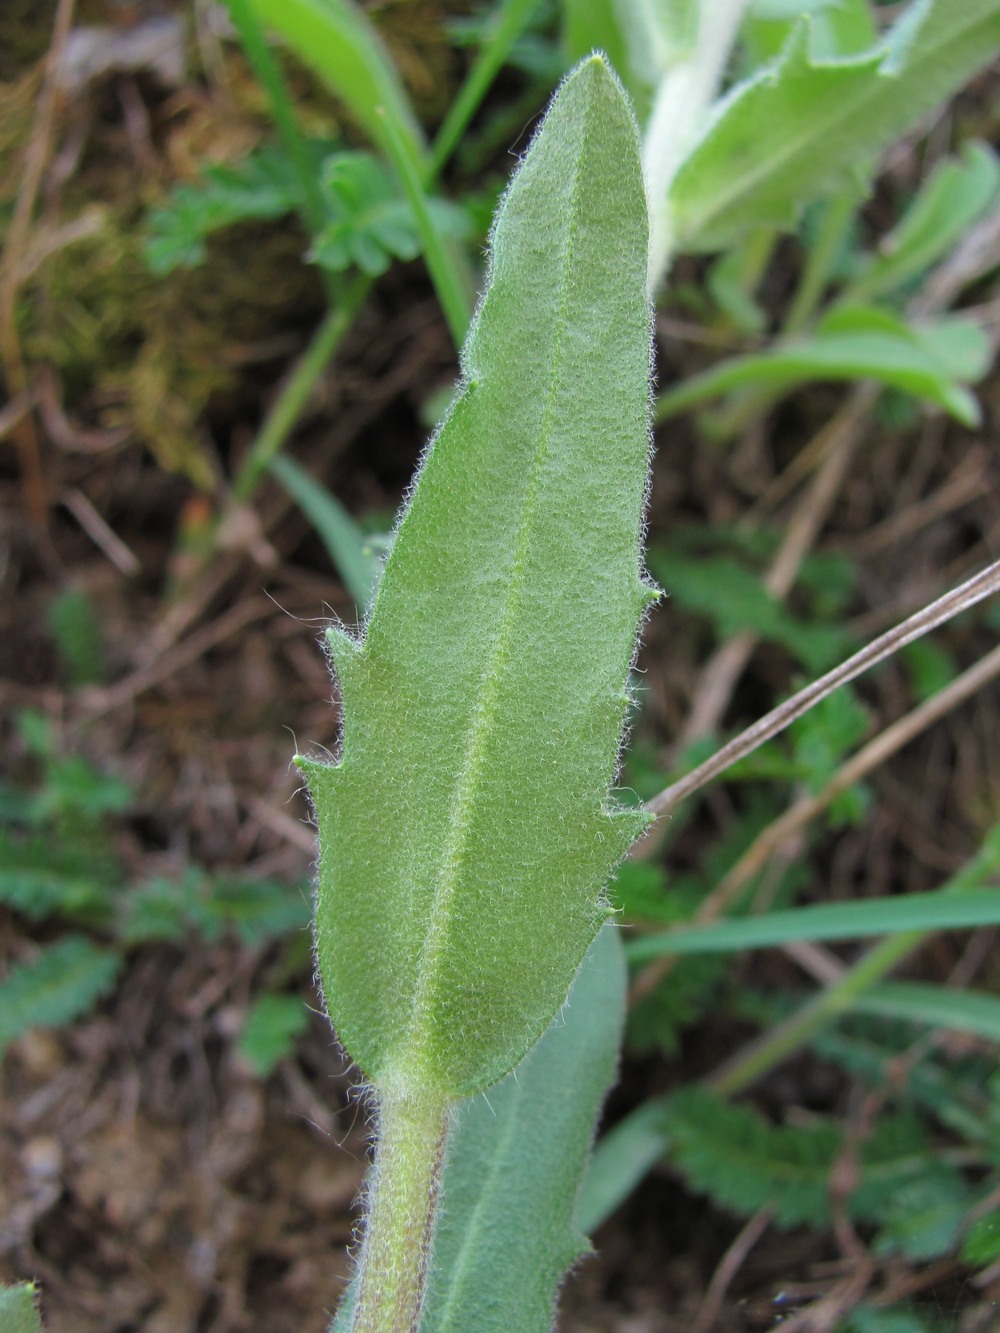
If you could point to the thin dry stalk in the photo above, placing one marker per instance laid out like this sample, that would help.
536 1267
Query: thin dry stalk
15 372
937 613
794 819
729 1265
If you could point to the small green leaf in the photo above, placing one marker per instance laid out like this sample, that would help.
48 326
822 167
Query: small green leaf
930 665
735 599
922 1220
856 342
19 1309
467 832
982 1243
272 1024
955 196
370 221
262 186
76 629
41 876
894 1319
801 127
731 1152
745 1163
621 1159
64 981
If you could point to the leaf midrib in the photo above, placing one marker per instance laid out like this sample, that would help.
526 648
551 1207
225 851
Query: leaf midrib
422 1026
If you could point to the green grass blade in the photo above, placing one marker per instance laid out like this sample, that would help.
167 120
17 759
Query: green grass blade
334 38
450 278
467 831
800 127
939 1006
291 401
271 78
349 550
943 910
507 25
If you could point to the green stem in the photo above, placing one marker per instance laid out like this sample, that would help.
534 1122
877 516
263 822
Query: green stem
507 26
269 73
450 276
395 1255
682 100
293 397
823 255
787 1037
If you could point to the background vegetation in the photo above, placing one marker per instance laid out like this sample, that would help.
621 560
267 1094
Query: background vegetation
182 260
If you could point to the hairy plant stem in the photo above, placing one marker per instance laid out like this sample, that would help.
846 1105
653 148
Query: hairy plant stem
683 97
403 1192
291 401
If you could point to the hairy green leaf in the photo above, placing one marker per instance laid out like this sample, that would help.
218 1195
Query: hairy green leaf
800 127
18 1309
466 832
511 1220
510 1228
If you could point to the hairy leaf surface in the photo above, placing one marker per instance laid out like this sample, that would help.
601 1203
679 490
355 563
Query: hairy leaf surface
467 831
509 1228
18 1309
512 1219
